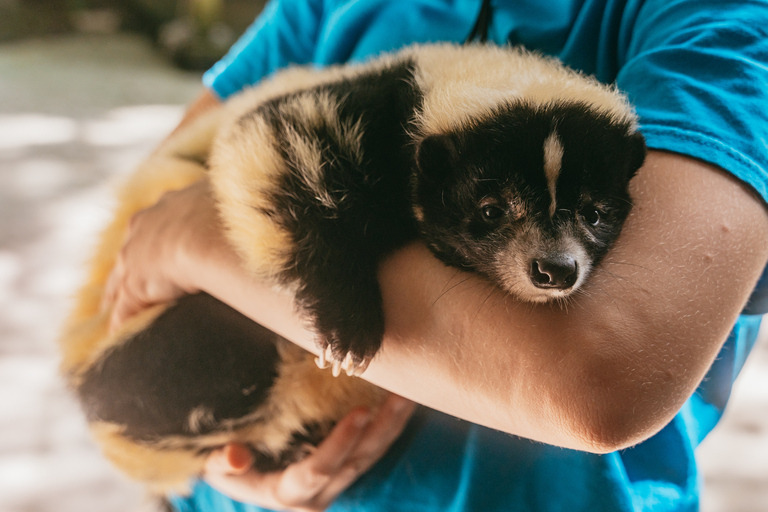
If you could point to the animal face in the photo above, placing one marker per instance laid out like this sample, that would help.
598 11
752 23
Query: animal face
531 197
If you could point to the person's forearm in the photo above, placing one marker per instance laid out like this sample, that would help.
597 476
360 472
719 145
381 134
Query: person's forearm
604 371
616 364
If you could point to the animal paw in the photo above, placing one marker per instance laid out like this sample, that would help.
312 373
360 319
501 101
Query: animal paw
351 364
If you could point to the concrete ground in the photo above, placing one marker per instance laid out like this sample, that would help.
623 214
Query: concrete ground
76 113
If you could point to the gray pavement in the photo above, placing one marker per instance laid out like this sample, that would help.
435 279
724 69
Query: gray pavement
76 114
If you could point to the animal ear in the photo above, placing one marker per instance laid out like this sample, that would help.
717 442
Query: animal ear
436 157
637 150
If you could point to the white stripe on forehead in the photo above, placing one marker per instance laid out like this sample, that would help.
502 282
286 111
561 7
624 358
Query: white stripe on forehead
553 161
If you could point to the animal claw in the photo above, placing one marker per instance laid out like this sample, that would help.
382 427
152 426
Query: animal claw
320 360
354 369
336 368
325 358
347 363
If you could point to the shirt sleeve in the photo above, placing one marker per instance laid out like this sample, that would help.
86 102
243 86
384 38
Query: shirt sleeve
698 77
324 32
284 33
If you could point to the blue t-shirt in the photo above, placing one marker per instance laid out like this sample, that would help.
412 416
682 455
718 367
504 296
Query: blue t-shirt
697 74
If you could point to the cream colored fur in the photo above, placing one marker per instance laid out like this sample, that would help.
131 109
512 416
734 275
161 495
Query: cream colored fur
302 392
464 85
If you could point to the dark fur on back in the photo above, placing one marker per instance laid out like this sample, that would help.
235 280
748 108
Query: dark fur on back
198 354
338 243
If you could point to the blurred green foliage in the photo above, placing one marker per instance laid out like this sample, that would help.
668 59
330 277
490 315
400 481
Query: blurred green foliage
192 33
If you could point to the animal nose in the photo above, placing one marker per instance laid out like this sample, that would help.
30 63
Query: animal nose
554 272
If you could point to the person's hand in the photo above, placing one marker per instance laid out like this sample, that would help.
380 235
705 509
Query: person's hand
154 264
311 485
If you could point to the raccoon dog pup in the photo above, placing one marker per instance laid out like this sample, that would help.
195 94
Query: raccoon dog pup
505 163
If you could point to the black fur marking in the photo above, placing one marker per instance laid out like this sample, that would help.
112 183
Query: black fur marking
199 352
501 160
297 448
338 247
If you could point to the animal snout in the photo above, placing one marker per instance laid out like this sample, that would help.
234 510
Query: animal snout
557 272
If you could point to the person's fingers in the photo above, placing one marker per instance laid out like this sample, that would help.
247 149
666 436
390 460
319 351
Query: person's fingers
352 447
247 487
229 471
120 311
304 480
125 305
110 289
239 458
295 488
384 428
233 459
115 280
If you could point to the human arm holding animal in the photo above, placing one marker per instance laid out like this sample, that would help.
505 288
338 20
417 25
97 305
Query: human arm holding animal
655 373
625 301
644 331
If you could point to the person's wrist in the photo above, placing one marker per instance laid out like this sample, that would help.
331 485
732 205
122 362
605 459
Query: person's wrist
202 258
185 266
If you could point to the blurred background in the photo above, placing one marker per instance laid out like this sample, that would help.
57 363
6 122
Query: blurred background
87 89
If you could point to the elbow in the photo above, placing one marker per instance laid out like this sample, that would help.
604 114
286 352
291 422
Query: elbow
605 438
607 428
615 408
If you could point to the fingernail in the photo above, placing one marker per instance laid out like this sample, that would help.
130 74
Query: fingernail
239 456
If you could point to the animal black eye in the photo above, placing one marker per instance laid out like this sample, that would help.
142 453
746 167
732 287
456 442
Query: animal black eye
491 212
591 216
